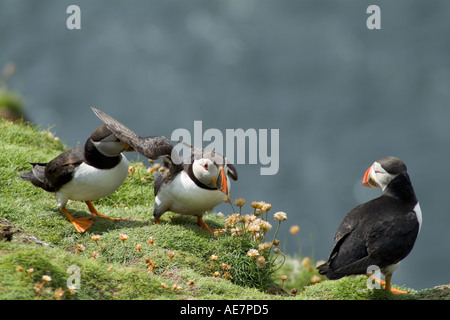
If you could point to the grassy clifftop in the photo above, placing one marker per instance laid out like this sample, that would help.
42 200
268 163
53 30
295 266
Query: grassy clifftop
42 256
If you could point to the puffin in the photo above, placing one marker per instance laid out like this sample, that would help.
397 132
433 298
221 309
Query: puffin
84 174
380 232
189 186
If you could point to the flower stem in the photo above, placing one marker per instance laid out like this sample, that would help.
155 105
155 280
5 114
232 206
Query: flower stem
232 207
274 236
167 268
124 252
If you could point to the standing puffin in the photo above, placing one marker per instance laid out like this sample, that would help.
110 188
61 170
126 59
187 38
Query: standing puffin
84 173
189 186
380 232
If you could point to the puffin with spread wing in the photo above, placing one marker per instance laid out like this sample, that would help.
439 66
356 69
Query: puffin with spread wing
189 186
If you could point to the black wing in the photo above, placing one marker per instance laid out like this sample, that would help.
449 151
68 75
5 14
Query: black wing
349 254
152 147
393 239
347 249
380 238
60 170
53 175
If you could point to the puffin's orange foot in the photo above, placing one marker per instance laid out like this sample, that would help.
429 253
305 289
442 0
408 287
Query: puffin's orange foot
95 213
82 224
106 217
398 291
204 226
389 288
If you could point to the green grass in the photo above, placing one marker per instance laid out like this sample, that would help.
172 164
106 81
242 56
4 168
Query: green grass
115 269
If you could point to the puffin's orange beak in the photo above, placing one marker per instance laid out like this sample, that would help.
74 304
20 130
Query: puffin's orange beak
128 148
368 181
222 181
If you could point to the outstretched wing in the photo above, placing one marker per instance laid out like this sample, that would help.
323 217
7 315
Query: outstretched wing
152 147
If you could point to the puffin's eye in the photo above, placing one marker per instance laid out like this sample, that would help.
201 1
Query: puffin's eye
205 166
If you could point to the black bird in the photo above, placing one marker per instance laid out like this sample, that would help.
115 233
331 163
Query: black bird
189 186
380 232
83 173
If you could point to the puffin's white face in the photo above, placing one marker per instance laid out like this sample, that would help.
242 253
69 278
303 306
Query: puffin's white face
377 177
206 172
110 146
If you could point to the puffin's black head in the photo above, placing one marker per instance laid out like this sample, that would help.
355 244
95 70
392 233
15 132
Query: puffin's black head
212 169
107 143
383 171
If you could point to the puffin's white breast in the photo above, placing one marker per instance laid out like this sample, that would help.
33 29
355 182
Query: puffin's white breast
90 183
418 213
185 197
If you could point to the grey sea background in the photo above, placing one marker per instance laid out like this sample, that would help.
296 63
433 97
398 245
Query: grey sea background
341 96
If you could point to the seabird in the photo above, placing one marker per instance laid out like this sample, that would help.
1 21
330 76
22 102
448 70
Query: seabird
189 186
84 173
381 232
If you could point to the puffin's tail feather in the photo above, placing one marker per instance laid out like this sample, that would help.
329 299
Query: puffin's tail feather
325 269
37 176
357 267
